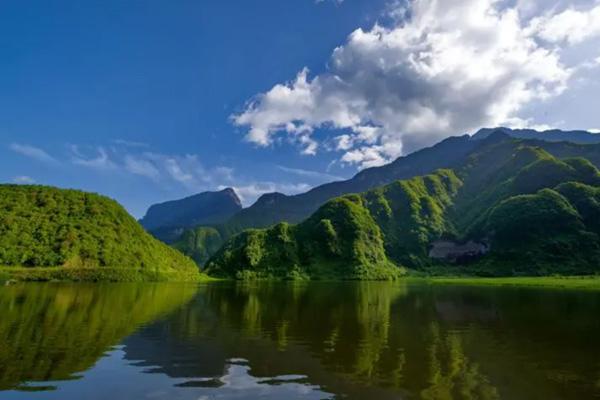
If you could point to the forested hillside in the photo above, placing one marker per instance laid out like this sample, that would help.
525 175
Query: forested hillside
80 235
511 207
450 153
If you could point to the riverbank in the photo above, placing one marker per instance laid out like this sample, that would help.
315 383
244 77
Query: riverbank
557 282
99 274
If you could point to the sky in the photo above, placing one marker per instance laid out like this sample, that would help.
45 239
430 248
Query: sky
148 101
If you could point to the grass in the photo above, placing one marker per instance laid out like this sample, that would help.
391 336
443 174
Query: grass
100 274
557 282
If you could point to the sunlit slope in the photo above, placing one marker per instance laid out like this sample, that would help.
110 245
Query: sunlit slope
533 213
78 235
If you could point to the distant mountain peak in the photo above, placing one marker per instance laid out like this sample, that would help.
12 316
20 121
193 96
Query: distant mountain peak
551 135
232 193
200 209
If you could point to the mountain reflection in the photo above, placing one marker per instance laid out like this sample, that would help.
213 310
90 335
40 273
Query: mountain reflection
380 339
51 332
313 340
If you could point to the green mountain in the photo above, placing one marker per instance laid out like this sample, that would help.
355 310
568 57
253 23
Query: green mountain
273 208
201 209
510 207
82 236
450 153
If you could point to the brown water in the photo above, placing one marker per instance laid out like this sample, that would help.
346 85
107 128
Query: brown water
288 341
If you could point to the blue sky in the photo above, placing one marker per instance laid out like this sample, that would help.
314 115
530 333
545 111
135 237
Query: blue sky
147 101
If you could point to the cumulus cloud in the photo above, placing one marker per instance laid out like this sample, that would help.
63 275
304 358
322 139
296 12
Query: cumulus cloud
33 152
442 68
571 25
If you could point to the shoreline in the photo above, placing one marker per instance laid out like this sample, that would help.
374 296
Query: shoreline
95 275
587 282
110 274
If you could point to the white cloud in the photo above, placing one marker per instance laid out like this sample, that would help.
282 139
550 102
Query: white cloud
23 180
99 160
170 171
450 68
177 170
141 166
571 25
33 152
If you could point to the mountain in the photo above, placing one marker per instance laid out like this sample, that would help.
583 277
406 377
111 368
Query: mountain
80 236
272 208
553 135
276 207
201 209
510 207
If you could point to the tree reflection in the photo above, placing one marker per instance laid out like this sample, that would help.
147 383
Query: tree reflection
50 332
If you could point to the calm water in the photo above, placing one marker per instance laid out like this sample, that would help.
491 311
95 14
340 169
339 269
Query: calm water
288 341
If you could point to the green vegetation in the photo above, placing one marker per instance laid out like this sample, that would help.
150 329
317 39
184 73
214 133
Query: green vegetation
345 238
48 233
552 282
340 241
273 208
495 147
199 243
526 211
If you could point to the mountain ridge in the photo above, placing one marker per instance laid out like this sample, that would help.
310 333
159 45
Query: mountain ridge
531 212
275 207
200 209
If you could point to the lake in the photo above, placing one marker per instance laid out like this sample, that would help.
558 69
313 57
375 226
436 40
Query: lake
404 340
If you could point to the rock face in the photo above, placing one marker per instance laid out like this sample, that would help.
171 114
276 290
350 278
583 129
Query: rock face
201 209
454 252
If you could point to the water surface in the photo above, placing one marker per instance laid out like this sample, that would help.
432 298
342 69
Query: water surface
298 341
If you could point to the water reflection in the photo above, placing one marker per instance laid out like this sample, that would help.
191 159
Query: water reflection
350 340
51 332
388 339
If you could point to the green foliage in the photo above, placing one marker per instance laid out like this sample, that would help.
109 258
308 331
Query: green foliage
540 234
199 243
340 241
49 227
537 215
345 238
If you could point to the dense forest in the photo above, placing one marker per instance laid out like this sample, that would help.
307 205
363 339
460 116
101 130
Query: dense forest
80 236
514 207
453 153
